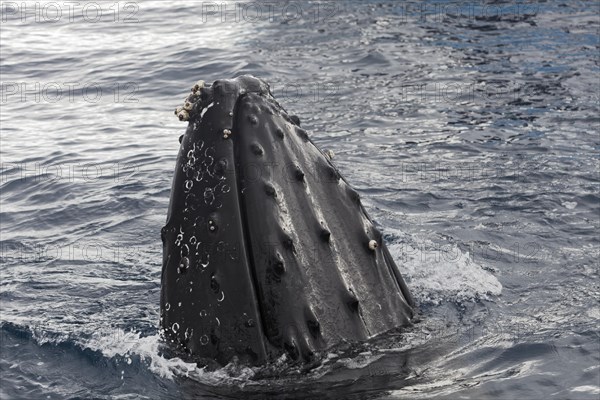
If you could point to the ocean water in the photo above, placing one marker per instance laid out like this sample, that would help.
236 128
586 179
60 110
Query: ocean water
470 129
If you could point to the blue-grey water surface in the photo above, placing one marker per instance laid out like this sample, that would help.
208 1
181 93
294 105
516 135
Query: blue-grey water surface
470 129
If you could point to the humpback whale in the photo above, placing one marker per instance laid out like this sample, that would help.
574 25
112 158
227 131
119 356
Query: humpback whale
267 250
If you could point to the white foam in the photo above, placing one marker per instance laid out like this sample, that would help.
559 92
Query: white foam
591 389
437 273
358 362
127 344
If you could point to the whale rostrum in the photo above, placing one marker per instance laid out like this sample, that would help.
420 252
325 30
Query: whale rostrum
267 250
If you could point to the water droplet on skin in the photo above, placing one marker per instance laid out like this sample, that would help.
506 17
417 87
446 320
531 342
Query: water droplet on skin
179 304
204 340
209 196
184 264
203 313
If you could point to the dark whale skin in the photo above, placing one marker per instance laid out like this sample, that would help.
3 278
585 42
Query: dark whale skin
267 249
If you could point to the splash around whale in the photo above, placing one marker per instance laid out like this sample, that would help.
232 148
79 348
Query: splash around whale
267 250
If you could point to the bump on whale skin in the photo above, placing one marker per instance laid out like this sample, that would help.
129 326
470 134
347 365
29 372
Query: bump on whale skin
267 249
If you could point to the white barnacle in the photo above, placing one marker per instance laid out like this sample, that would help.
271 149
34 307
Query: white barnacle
373 245
330 154
198 85
226 133
188 106
183 115
178 110
222 297
175 327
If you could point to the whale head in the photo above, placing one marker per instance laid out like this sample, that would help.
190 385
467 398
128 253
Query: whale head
267 249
